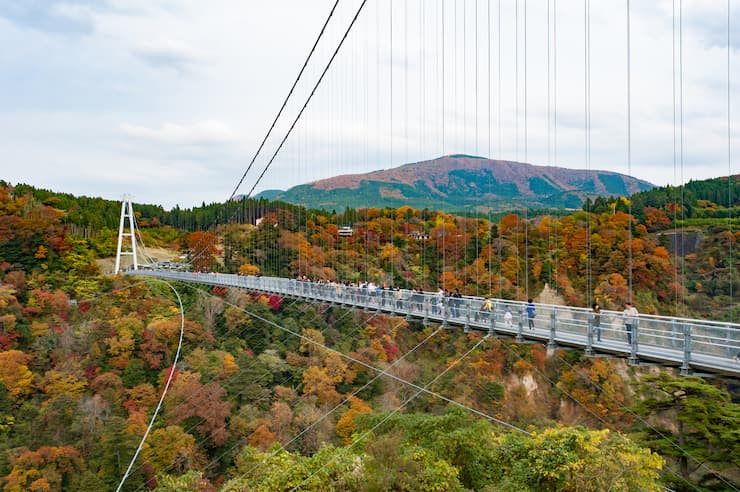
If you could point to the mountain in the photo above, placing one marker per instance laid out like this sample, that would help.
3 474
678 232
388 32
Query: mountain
456 182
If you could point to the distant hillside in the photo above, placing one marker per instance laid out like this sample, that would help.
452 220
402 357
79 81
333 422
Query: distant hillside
715 198
456 182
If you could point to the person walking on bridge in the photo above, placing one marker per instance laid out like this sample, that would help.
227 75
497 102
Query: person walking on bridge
530 313
630 319
486 309
508 317
596 322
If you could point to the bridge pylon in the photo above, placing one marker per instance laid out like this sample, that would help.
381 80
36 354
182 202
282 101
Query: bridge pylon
127 212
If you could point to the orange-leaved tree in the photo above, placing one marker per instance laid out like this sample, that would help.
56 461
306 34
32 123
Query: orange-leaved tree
203 250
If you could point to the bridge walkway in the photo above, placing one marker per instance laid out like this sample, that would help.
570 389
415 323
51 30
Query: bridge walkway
696 346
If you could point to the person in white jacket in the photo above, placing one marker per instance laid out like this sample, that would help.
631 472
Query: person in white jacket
630 319
508 318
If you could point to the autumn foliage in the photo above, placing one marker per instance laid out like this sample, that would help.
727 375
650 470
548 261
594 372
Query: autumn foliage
84 358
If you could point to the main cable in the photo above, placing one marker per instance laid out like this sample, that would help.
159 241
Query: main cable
310 96
285 102
282 142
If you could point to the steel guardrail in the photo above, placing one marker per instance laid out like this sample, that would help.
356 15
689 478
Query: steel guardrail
692 344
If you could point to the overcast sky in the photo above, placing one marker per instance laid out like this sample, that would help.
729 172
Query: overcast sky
169 99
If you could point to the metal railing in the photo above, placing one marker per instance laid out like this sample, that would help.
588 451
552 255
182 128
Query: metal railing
692 344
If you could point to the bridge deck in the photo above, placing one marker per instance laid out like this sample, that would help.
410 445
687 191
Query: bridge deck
694 345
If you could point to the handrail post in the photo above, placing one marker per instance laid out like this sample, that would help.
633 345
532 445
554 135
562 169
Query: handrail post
633 359
686 365
466 328
551 344
590 335
520 328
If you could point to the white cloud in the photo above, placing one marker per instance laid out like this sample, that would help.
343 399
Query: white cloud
157 86
167 53
201 133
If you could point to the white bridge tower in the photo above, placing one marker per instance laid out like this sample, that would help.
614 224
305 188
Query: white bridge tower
127 211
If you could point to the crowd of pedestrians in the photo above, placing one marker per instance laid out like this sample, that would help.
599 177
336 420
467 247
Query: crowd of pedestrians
445 303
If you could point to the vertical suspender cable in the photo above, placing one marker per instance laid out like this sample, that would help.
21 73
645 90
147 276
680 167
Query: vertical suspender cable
464 124
422 79
422 105
476 78
526 159
516 133
443 76
443 126
730 185
555 118
498 85
406 101
390 80
516 79
465 78
675 178
406 78
498 122
455 127
629 147
680 147
549 143
490 153
475 214
390 117
587 131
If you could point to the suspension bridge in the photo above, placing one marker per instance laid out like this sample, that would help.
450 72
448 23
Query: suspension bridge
462 50
457 95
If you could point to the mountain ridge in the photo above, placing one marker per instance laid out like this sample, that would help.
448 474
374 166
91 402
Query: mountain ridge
460 181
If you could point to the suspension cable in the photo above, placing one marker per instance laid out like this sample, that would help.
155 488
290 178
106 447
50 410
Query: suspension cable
340 404
730 185
285 102
310 96
164 391
629 147
400 407
675 178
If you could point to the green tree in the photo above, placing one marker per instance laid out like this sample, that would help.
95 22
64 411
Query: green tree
116 449
574 459
703 431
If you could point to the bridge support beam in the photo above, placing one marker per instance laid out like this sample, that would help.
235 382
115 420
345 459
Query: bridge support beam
686 364
520 327
590 335
492 326
634 360
551 343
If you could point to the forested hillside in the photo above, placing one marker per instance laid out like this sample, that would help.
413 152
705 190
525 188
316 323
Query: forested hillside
272 394
459 182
